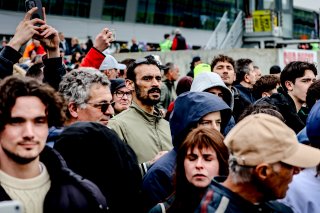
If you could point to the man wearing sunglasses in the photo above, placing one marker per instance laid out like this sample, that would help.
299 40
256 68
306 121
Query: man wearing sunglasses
121 95
88 96
142 125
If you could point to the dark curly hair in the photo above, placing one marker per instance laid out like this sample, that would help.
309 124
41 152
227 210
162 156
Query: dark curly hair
14 87
222 58
149 60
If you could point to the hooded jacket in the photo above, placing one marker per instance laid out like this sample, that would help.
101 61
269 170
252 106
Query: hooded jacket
189 108
207 80
313 125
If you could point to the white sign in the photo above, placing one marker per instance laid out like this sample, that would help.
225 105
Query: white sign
286 56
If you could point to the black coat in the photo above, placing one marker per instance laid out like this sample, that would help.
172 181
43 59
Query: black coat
98 154
68 192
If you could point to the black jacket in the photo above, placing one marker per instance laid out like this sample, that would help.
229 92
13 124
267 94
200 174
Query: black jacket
287 108
98 154
53 67
68 192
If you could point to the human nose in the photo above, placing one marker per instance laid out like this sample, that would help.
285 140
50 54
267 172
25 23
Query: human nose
28 131
125 96
199 163
156 82
110 110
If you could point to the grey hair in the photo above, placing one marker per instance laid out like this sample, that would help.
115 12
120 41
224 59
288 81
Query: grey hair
244 174
75 85
239 173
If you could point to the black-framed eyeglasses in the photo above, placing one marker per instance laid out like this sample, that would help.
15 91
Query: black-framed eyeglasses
102 106
120 94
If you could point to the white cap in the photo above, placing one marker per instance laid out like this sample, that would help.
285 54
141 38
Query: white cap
110 62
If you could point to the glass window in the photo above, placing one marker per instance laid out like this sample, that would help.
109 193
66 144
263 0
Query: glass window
79 8
201 14
114 10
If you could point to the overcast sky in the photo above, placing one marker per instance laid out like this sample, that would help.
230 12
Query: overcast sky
313 5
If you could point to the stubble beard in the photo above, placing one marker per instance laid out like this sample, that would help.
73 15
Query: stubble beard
147 101
18 159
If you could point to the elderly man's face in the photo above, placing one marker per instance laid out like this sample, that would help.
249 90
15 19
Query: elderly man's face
100 96
122 99
276 184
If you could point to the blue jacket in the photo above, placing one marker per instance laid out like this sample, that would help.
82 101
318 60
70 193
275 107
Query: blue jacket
303 194
313 125
189 108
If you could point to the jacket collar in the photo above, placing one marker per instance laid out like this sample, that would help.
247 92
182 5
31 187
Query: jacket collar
155 117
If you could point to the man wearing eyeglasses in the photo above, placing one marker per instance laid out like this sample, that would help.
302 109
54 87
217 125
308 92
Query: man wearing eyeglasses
142 126
121 95
88 96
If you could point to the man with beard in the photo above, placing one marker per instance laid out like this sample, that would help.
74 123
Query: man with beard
142 125
31 172
261 166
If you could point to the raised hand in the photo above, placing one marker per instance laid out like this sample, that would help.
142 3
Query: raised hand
26 30
103 40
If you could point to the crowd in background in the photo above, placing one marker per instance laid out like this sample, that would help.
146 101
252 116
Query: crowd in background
91 134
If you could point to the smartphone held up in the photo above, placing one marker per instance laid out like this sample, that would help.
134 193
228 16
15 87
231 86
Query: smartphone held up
35 3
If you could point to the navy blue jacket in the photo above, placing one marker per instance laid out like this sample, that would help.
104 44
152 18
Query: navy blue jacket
189 108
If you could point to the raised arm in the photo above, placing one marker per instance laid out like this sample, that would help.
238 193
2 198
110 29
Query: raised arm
95 56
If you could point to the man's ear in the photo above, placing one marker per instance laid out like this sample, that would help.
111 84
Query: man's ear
263 171
129 84
289 85
246 78
73 109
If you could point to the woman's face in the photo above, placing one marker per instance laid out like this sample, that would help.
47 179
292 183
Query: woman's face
201 166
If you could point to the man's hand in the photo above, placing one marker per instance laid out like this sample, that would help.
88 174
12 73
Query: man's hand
49 39
103 40
26 30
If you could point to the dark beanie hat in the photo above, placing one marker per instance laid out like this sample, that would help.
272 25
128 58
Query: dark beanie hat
275 69
195 59
117 84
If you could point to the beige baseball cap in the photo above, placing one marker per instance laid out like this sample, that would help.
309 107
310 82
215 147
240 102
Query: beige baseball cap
262 138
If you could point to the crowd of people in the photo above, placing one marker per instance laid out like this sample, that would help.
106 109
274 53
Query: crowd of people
135 136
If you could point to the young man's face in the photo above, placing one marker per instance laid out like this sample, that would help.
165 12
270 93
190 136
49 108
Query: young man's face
211 120
148 84
298 89
24 137
226 72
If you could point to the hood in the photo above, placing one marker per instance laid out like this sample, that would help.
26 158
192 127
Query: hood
189 107
313 125
207 80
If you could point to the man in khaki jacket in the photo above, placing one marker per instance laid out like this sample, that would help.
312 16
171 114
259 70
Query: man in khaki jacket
142 126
